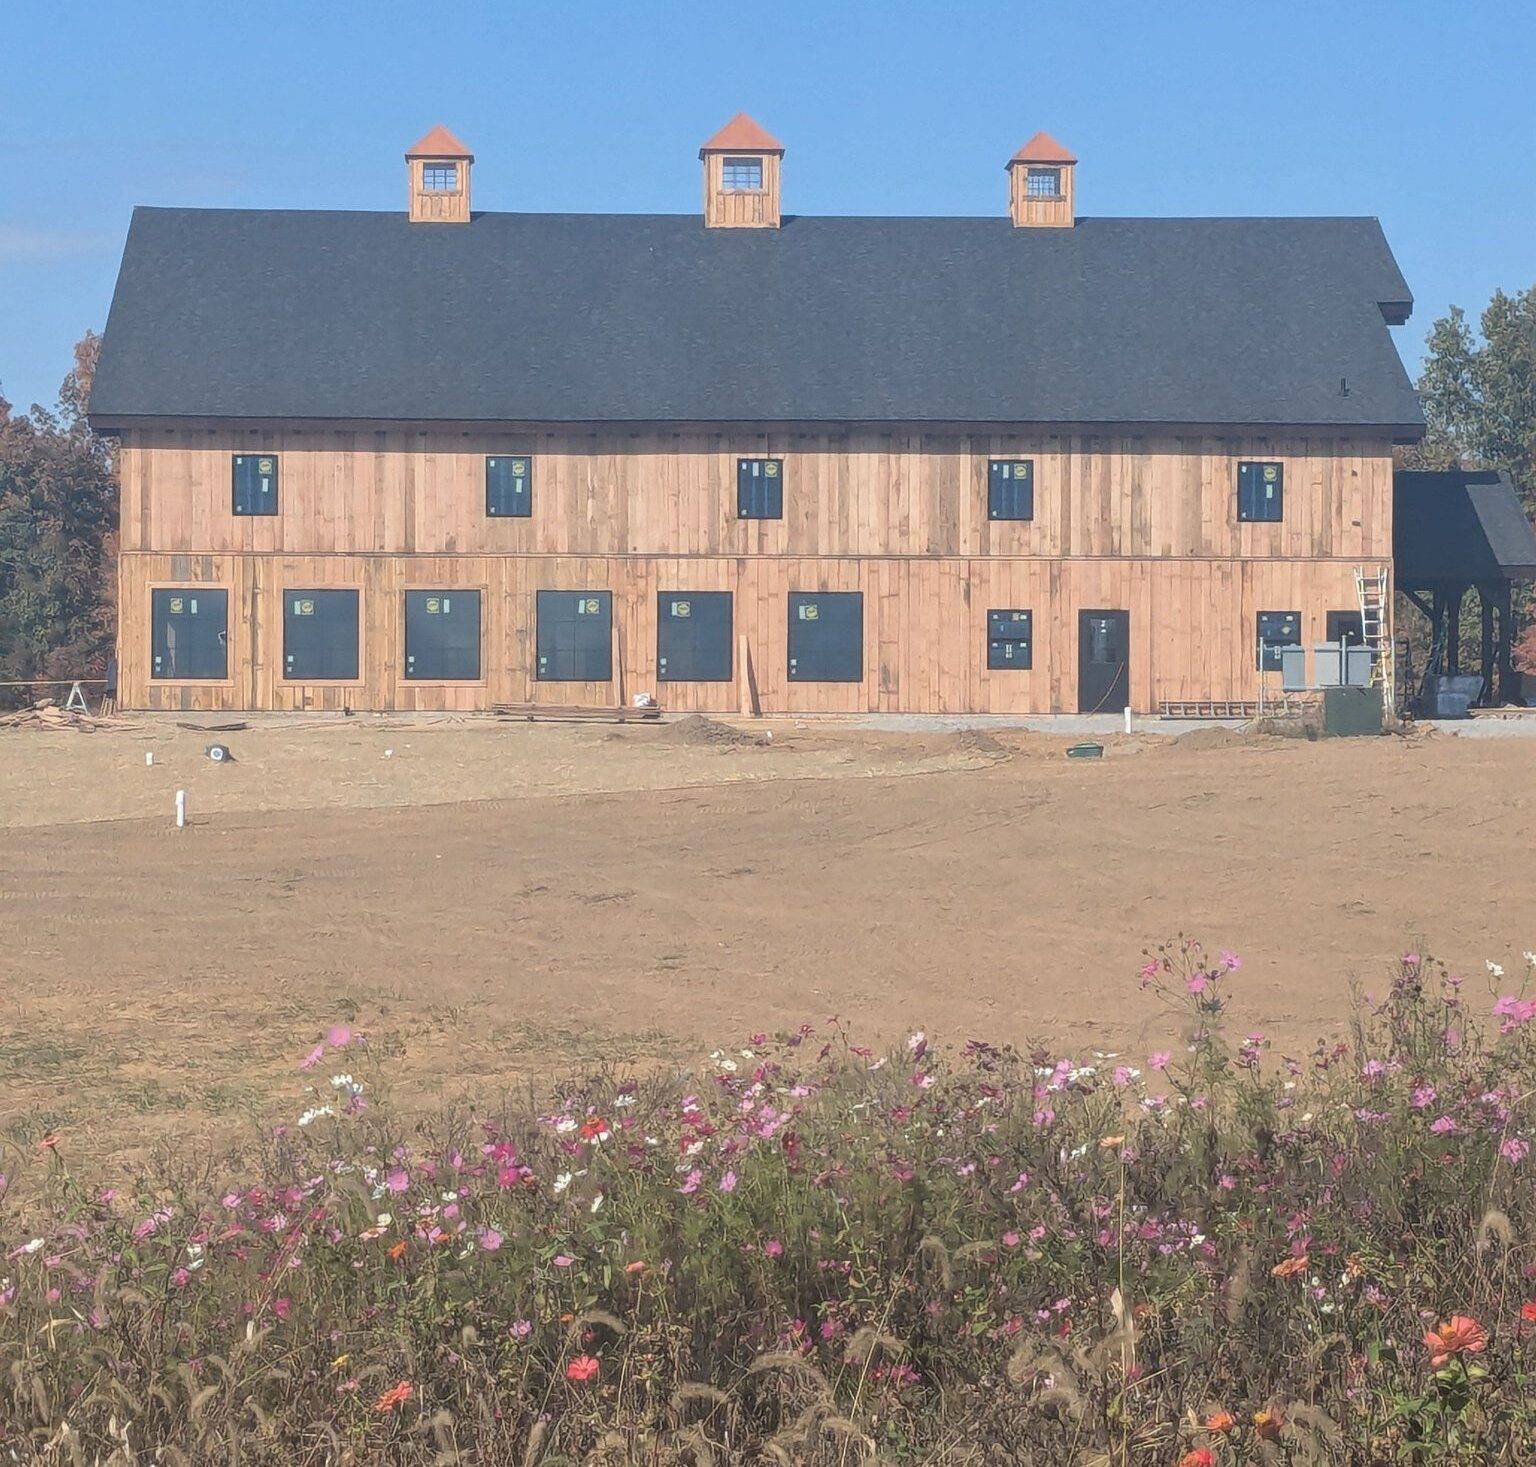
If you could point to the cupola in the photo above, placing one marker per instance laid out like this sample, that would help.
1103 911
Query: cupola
1040 185
438 169
743 165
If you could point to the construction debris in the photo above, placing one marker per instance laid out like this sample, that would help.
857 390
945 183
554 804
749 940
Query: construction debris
46 713
563 713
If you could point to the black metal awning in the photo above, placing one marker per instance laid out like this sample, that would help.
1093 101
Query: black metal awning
1459 527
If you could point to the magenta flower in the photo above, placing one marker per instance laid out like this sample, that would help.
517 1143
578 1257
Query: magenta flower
338 1036
313 1058
1161 1060
728 1182
773 1248
490 1239
1514 1150
397 1180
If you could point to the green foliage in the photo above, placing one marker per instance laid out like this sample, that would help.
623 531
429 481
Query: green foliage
58 526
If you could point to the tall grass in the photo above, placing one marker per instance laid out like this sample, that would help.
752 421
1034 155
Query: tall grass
803 1252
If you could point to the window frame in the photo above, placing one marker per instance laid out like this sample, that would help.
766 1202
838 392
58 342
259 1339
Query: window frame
994 479
426 589
773 468
1266 654
235 461
731 164
538 621
792 604
154 679
509 458
324 682
665 676
429 170
1047 172
1027 640
1244 507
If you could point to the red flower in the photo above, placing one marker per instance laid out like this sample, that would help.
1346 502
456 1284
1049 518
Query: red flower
593 1127
1459 1335
1200 1457
582 1368
1528 1311
396 1395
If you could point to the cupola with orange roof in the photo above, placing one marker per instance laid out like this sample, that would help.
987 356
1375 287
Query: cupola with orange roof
1040 185
743 168
437 167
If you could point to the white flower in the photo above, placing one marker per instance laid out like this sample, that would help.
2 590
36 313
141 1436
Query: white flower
913 1040
1531 959
314 1113
624 1098
384 1219
879 1063
562 1182
565 1123
31 1247
344 1082
597 1202
1495 969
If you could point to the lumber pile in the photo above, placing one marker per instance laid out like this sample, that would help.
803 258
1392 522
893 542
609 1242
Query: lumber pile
48 714
572 713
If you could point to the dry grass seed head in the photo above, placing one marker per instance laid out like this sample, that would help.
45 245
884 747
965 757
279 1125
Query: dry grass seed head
933 1262
868 1342
1494 1227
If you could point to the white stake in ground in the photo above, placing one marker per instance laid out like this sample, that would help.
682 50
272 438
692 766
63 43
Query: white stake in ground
1127 719
181 808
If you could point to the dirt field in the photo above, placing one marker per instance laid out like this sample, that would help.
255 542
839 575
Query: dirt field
500 902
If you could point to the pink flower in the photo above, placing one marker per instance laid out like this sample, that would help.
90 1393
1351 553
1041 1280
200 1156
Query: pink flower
1514 1150
397 1180
691 1182
773 1248
1197 982
1010 1239
313 1058
1515 1012
1161 1060
562 1260
1443 1126
728 1182
338 1036
1230 961
282 1308
521 1328
490 1239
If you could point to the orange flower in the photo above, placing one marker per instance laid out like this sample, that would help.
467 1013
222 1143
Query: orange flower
1528 1311
1298 1264
396 1395
593 1127
582 1368
638 1266
397 1252
1200 1457
1267 1424
50 1142
1459 1335
1221 1422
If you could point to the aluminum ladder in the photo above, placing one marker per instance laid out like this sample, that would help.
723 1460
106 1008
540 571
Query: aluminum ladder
1374 590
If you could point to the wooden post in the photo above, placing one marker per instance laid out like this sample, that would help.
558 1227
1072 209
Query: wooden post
1506 647
1485 597
745 686
617 655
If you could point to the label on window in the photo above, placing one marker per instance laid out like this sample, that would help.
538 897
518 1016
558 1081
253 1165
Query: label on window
682 608
177 604
263 466
771 469
809 612
519 468
588 606
434 606
1271 473
192 606
304 607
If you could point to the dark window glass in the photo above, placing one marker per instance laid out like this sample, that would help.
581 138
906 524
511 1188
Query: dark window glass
1277 629
255 483
440 178
442 635
320 635
1010 642
1043 183
189 633
693 637
1260 491
1346 626
760 488
1010 489
509 486
575 636
741 175
826 637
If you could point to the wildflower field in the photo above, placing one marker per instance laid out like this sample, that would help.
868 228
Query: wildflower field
804 1252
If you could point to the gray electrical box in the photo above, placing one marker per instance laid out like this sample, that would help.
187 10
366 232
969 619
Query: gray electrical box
1342 665
1293 669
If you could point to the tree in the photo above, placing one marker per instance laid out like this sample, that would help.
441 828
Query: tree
58 535
1479 396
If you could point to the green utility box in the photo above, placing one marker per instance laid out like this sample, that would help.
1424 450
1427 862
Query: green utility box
1350 712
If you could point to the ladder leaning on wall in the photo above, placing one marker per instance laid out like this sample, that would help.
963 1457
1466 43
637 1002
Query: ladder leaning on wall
1373 587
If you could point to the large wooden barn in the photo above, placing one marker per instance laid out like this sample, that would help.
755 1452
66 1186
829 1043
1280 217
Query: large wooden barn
439 458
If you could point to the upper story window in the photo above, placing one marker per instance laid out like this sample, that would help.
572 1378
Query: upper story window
1043 183
254 483
741 175
1261 492
509 486
440 178
1010 489
760 488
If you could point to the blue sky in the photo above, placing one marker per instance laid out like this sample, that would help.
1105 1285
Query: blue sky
1421 113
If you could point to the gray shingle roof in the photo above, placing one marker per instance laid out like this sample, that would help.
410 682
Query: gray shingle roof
616 317
1460 525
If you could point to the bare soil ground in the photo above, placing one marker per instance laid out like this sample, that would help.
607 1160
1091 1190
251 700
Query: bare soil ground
498 903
